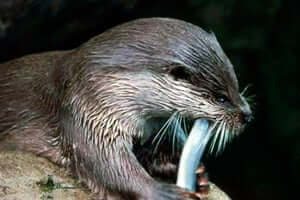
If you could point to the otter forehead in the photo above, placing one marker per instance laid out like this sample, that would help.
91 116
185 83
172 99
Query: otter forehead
155 43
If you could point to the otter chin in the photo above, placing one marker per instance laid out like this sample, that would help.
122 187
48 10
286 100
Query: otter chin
118 109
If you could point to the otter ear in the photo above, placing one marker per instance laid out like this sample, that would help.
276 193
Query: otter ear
178 72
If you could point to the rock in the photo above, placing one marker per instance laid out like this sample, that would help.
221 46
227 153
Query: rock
24 176
216 193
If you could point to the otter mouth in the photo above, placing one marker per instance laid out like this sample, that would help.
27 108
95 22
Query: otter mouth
172 149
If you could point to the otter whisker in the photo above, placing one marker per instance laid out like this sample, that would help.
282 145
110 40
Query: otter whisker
174 130
221 139
216 136
251 100
213 142
214 126
181 135
184 126
226 135
178 134
226 139
250 97
233 132
183 132
166 125
162 132
162 135
213 130
230 134
245 89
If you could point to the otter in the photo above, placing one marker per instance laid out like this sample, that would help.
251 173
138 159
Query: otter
100 109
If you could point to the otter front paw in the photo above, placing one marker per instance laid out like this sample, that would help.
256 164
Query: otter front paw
172 192
202 184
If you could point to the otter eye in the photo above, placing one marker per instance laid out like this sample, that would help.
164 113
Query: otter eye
180 73
223 99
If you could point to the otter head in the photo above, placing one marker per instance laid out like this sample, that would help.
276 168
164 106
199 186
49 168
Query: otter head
157 69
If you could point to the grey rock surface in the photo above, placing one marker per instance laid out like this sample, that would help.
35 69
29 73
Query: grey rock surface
24 176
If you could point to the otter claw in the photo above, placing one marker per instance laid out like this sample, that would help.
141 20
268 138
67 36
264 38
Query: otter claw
201 169
202 184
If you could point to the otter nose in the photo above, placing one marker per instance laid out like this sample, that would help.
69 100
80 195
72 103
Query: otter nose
247 117
246 113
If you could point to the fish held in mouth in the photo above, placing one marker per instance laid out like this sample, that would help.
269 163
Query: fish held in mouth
192 153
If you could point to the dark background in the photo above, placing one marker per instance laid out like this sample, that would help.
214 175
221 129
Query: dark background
259 36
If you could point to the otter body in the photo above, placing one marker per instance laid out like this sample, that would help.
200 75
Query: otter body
98 108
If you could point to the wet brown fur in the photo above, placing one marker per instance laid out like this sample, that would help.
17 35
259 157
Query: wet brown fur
87 108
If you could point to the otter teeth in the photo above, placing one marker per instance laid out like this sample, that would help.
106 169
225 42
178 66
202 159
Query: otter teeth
192 154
